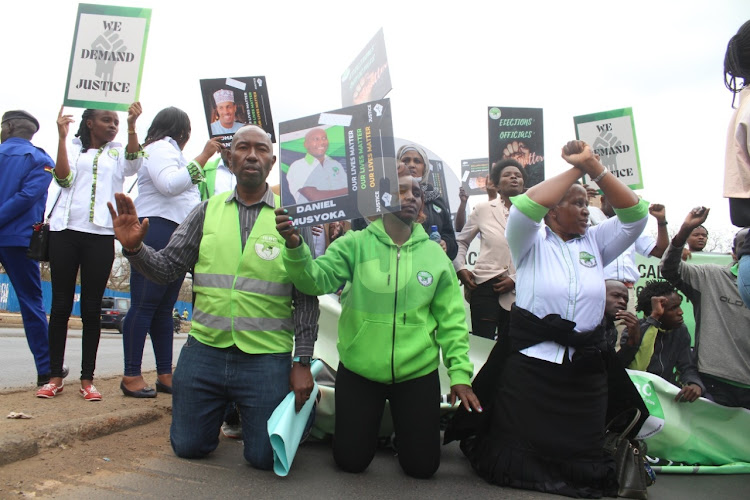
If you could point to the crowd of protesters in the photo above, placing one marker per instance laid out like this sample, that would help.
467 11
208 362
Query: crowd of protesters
553 286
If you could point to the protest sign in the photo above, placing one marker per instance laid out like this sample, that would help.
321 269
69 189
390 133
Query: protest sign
518 133
232 103
339 165
367 78
474 175
611 134
106 61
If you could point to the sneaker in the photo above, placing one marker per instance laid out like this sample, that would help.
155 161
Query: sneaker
232 431
90 393
44 378
49 391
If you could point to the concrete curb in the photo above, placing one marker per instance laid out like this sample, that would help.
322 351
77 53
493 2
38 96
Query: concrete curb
83 429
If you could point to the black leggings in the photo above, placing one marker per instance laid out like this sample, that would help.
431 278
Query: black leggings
93 254
488 318
415 407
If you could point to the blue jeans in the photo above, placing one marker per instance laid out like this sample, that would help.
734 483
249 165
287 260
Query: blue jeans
206 379
151 309
743 280
25 278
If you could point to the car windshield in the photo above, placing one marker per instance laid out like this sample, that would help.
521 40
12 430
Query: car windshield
123 304
108 303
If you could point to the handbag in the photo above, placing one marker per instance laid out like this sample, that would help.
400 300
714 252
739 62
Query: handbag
39 243
629 455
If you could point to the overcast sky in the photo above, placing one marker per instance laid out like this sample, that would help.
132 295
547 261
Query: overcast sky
448 62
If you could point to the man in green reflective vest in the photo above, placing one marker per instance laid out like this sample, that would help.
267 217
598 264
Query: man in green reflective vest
247 314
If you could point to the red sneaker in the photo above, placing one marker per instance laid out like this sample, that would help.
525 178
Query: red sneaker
49 391
90 393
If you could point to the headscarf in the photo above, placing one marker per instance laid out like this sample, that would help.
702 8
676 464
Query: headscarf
429 191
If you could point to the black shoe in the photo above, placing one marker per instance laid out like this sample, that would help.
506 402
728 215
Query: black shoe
163 387
146 392
66 371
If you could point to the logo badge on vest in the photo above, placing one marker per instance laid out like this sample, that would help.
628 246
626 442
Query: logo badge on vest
586 259
424 278
113 153
267 247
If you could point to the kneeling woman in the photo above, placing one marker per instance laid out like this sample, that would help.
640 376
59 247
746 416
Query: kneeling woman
546 387
403 307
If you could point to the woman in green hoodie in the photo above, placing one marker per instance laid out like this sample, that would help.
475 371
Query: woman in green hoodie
403 306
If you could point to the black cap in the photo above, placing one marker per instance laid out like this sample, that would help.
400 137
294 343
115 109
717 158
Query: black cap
20 115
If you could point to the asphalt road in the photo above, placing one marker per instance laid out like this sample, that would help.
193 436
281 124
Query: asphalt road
225 474
17 364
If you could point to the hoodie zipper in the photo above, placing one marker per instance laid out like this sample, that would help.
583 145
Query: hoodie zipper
395 308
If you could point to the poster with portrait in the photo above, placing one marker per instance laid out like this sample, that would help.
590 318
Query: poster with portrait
367 78
339 164
232 103
611 134
474 174
106 60
438 181
518 133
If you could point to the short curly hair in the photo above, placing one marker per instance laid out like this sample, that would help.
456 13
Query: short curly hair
653 288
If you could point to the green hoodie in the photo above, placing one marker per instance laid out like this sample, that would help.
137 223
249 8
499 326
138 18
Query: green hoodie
403 306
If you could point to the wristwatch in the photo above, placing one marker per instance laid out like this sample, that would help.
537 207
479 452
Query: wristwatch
303 360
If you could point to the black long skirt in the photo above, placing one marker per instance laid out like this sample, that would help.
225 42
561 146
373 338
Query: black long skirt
546 429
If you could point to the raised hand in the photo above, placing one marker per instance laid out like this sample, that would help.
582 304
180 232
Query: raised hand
580 155
696 217
658 212
128 230
63 123
657 307
134 111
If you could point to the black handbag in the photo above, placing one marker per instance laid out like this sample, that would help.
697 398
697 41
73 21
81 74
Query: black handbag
629 455
39 243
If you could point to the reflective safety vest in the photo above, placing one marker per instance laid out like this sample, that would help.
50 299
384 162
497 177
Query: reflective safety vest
242 298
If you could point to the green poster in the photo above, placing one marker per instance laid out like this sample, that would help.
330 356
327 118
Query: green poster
611 134
106 60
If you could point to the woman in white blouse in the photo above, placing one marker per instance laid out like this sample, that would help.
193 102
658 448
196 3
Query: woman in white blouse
81 234
167 192
546 388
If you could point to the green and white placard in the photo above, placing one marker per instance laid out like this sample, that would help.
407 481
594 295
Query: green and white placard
611 134
106 60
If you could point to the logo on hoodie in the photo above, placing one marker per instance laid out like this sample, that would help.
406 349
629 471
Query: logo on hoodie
424 278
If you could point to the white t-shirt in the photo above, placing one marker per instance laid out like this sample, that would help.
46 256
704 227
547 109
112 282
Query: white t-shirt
165 188
83 205
308 172
623 268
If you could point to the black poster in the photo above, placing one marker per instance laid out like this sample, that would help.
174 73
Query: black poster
368 77
518 133
231 103
339 165
474 174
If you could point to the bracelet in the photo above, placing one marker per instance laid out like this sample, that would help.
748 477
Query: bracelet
134 250
131 131
599 177
662 223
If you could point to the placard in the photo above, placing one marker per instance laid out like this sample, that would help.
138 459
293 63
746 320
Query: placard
339 165
106 60
367 78
611 134
232 103
474 174
518 133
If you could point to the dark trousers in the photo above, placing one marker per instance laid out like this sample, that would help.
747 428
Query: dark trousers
93 254
26 280
151 309
726 394
488 318
415 407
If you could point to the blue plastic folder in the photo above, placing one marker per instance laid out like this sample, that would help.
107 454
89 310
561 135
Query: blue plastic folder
285 427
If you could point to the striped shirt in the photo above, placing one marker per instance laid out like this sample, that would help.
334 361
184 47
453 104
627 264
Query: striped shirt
181 255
